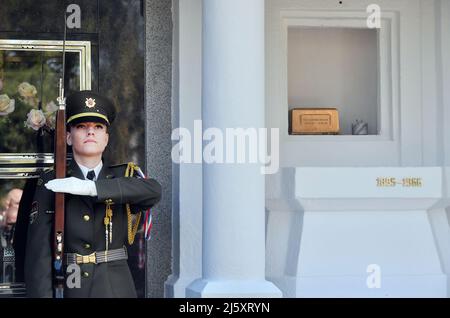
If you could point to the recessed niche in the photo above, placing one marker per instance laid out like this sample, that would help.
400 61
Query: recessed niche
335 67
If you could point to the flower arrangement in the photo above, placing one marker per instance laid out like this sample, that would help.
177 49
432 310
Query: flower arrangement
36 118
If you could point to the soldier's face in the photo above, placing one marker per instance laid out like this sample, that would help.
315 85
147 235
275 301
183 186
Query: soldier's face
88 139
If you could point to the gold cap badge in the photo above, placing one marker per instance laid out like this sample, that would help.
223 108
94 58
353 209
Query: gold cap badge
90 102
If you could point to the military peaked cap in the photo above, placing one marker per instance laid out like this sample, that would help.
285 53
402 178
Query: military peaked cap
85 106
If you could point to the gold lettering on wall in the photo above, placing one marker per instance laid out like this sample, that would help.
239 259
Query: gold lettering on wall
408 182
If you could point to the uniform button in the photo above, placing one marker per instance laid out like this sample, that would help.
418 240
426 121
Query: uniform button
86 217
85 274
87 246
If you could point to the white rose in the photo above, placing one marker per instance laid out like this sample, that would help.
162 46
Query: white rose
51 107
26 90
4 102
7 105
35 119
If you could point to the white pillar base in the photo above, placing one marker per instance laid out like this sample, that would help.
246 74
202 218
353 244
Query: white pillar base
411 286
399 286
362 239
338 246
232 289
175 286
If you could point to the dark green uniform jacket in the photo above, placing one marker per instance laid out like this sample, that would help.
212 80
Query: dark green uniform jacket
85 232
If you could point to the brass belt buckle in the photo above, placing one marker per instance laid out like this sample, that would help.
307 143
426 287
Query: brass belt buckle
86 259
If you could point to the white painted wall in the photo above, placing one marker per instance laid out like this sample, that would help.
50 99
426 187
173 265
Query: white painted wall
443 69
432 129
399 120
440 215
187 183
335 68
415 82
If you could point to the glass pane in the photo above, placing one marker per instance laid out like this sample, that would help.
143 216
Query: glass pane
28 91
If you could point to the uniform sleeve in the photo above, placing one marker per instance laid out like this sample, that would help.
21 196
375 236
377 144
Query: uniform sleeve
142 193
38 252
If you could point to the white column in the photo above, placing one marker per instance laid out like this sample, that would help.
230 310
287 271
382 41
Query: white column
187 177
233 194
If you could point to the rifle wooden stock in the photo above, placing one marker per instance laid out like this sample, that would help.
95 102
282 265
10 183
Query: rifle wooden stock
60 169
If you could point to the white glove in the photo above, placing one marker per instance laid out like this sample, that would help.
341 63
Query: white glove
73 185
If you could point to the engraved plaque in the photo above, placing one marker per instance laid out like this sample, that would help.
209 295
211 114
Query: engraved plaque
314 121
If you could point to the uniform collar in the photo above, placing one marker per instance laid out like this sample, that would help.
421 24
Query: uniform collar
105 172
74 170
97 169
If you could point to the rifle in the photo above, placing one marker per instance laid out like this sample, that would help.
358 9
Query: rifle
60 168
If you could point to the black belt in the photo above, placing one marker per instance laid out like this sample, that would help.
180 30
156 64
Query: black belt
97 257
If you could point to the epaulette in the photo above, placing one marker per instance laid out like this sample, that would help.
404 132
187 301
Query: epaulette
123 165
119 169
126 169
119 165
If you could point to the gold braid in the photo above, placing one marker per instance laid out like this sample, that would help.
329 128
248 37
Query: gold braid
132 229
